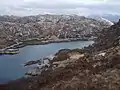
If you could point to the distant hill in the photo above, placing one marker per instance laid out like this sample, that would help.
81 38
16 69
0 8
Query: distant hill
113 18
13 28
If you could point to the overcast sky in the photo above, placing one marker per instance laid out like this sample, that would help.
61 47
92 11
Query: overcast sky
80 7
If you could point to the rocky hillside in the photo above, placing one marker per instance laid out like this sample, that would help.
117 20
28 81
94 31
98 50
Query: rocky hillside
94 68
108 37
15 29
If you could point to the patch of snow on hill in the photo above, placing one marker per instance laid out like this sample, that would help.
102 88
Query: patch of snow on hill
108 21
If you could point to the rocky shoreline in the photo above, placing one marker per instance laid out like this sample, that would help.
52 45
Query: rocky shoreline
37 42
40 42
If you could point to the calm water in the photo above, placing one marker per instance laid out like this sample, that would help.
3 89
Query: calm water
11 67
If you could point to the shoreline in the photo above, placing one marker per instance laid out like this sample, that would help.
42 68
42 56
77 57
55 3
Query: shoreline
38 42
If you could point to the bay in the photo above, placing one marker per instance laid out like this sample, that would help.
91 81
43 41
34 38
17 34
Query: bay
11 66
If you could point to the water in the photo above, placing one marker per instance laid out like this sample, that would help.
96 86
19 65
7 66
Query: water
11 66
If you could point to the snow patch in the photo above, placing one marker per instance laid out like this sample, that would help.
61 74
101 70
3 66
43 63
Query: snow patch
101 54
106 20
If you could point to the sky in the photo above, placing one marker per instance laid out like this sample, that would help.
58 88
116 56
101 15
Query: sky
79 7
